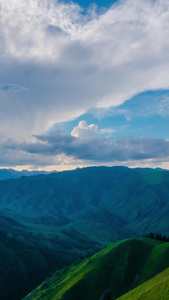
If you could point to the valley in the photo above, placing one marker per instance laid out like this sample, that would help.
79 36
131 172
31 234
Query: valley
72 215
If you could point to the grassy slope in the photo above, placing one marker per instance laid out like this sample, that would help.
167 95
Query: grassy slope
155 288
114 268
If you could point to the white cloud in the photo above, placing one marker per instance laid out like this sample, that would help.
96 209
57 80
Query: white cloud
89 132
85 132
37 28
107 130
68 64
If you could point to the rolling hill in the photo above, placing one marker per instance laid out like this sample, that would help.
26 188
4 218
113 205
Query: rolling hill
114 271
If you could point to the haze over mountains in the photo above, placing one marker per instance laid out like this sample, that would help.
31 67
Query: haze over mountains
11 173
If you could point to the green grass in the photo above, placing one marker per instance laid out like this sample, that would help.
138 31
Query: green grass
156 288
115 268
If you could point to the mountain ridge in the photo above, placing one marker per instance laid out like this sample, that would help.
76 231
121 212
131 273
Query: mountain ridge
14 174
137 197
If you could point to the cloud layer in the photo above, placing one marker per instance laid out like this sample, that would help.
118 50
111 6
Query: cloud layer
57 63
86 144
66 63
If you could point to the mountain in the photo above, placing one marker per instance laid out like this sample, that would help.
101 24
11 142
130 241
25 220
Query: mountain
107 203
10 173
114 271
74 214
67 201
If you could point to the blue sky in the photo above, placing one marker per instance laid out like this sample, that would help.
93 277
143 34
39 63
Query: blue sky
146 114
84 84
100 3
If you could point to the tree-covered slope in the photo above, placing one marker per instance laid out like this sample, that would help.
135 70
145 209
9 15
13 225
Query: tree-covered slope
22 266
28 254
115 270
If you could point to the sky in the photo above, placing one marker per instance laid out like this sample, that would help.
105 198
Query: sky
84 83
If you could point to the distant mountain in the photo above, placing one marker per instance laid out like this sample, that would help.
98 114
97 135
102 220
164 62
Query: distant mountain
10 173
109 274
68 200
107 204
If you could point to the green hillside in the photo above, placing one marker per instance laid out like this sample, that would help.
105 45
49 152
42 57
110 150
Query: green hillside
116 269
156 288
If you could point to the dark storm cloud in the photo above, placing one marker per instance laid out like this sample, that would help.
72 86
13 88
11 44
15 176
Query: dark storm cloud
99 149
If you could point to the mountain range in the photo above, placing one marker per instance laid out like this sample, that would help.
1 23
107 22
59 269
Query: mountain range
127 201
70 215
11 173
